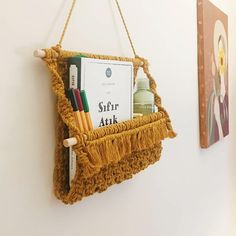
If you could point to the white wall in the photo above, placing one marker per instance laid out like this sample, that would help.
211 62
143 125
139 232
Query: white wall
190 192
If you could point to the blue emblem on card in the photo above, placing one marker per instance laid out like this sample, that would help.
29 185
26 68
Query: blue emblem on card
108 72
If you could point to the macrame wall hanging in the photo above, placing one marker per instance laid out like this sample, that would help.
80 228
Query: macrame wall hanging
108 155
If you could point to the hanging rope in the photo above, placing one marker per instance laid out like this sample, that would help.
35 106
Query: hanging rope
121 15
126 28
67 22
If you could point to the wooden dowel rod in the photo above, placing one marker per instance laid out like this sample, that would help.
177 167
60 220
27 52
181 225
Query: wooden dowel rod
39 53
70 142
73 141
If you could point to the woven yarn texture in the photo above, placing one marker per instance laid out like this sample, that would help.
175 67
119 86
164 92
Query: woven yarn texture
107 155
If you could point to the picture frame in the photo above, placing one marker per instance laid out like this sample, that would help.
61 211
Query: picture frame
212 73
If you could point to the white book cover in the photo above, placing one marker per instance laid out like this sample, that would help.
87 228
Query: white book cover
109 88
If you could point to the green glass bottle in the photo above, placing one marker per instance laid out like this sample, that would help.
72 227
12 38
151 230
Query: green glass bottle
143 98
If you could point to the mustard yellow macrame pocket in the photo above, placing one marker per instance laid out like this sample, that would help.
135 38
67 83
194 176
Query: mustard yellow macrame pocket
106 155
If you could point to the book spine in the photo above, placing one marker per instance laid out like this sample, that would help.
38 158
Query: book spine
73 75
75 72
201 75
73 83
72 165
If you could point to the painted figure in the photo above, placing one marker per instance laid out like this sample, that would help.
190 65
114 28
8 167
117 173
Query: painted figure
218 114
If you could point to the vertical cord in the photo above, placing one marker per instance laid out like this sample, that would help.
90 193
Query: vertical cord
67 22
126 28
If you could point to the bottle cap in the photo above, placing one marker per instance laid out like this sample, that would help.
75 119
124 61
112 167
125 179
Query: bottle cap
142 83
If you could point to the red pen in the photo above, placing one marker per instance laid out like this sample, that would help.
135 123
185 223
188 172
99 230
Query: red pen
81 109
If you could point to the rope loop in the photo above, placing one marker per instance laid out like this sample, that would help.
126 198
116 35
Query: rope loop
121 15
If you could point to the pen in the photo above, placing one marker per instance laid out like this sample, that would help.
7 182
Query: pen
72 98
81 109
86 109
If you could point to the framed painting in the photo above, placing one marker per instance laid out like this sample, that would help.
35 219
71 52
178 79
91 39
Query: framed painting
212 73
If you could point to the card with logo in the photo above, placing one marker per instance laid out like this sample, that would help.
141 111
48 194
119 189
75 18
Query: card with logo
109 88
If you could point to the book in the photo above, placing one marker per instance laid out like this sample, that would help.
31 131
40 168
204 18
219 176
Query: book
74 83
74 65
109 88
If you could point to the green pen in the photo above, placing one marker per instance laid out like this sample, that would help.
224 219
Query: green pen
86 109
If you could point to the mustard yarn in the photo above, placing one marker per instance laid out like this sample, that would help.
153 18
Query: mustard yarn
107 155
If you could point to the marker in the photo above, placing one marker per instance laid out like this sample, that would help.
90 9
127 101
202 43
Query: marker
81 109
86 109
72 98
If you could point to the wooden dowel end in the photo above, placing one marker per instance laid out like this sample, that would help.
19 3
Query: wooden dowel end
69 142
39 53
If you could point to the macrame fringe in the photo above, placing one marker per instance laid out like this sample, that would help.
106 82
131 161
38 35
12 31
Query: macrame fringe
111 149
